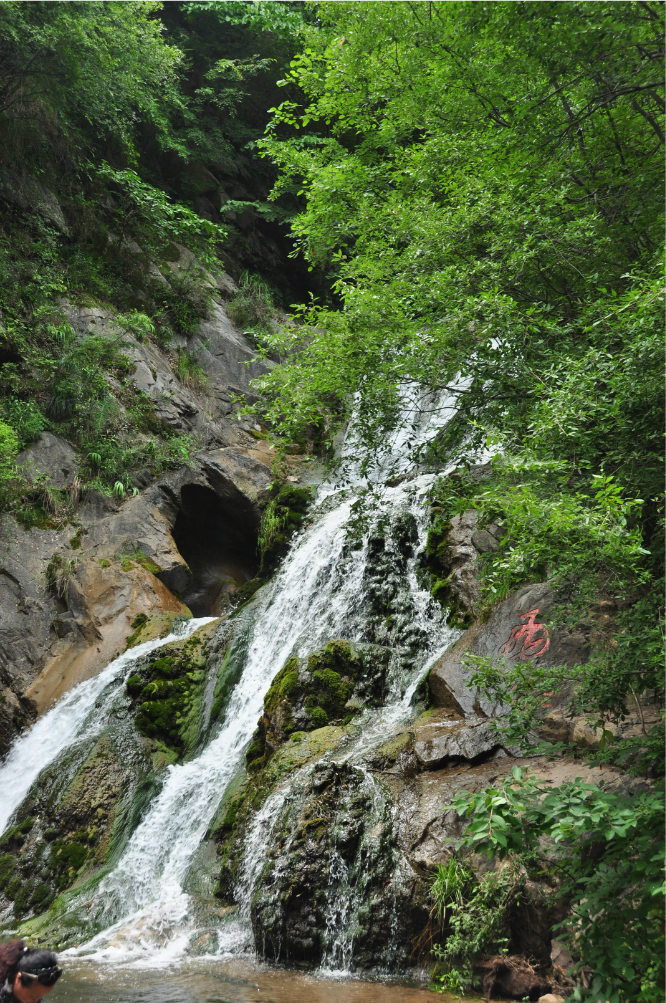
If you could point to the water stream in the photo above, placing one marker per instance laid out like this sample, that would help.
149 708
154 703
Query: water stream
78 716
327 588
318 595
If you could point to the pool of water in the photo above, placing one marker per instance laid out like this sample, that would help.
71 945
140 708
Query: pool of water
232 980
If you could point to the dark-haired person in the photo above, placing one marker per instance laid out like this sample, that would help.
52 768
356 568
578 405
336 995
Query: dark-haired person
26 974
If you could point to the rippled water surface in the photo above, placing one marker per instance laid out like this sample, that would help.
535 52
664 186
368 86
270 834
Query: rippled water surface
233 980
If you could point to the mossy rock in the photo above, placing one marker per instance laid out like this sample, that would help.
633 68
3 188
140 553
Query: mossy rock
331 686
386 755
283 516
7 870
247 592
15 837
249 793
83 809
229 672
148 628
167 692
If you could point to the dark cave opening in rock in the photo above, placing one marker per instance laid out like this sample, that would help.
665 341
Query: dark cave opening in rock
217 537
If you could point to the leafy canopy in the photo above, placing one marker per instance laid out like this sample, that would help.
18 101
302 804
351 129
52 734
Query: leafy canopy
483 187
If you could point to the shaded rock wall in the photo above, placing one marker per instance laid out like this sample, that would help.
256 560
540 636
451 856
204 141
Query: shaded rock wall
186 543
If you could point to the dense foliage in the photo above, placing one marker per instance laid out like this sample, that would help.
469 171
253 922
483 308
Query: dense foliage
610 864
128 133
483 183
484 192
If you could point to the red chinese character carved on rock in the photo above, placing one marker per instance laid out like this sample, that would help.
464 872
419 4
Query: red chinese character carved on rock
523 639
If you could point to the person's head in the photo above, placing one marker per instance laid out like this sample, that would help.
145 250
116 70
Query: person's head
31 973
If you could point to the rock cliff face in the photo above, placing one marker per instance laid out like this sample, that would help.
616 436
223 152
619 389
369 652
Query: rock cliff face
70 595
220 349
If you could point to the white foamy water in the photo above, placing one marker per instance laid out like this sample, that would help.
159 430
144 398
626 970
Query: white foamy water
79 715
318 595
345 893
323 591
308 604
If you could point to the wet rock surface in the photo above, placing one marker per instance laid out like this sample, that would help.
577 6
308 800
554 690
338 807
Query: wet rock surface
337 861
83 808
345 877
331 685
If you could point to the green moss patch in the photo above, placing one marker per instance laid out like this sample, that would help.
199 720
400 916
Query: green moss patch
283 516
331 686
147 628
167 693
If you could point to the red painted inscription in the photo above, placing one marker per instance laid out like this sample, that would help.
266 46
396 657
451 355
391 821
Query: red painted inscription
528 639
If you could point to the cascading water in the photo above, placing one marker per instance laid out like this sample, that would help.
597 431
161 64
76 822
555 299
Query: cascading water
316 596
79 716
416 633
330 586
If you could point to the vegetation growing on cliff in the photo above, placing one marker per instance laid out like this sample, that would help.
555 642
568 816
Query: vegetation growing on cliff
284 514
127 128
611 865
484 188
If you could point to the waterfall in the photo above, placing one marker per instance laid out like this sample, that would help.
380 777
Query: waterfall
144 907
80 715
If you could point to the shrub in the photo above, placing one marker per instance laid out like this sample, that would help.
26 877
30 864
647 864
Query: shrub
26 419
611 869
473 918
253 308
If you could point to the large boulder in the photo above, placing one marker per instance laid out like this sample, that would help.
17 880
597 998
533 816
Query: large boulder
445 739
52 457
515 631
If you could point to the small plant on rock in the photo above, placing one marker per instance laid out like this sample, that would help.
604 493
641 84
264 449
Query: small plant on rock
253 308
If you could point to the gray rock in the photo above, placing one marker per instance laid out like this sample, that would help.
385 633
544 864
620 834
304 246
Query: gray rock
438 741
33 196
96 505
514 631
459 563
224 354
237 477
51 456
483 541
